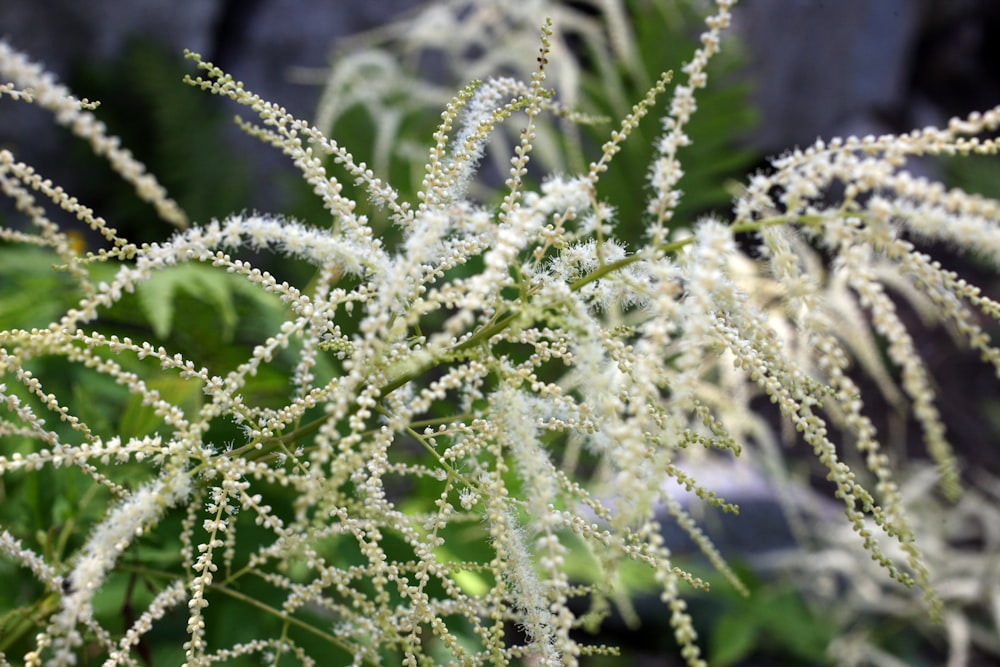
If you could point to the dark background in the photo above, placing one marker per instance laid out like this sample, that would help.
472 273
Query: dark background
818 67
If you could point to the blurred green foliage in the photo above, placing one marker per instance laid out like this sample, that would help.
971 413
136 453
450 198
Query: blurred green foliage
714 160
178 133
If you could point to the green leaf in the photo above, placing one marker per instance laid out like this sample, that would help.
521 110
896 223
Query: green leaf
26 272
139 419
733 638
157 295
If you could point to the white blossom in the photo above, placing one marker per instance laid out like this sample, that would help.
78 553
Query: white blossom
412 447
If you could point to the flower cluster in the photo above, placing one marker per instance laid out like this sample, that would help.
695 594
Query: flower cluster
464 413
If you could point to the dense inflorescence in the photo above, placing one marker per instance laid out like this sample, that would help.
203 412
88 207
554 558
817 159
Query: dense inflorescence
496 392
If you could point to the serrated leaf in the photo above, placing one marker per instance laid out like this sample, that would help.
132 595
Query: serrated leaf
139 419
208 285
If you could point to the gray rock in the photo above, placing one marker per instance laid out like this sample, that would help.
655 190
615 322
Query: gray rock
821 67
818 65
258 41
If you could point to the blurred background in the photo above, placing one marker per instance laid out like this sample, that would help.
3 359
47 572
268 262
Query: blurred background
795 70
816 67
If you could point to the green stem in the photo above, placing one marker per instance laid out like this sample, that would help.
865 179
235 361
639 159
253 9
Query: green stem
444 464
674 246
286 618
19 622
225 590
507 318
